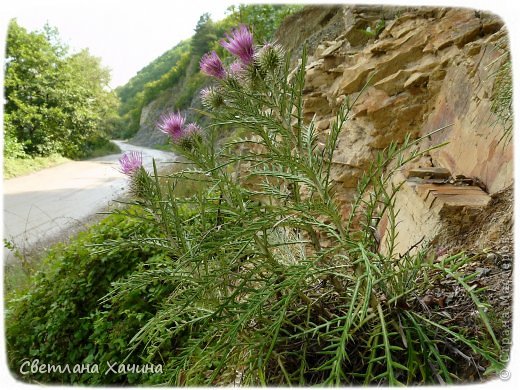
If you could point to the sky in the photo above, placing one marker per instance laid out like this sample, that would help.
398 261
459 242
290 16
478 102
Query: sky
127 35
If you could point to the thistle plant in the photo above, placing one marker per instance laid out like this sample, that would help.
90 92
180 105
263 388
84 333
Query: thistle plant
131 164
257 297
174 125
211 64
240 44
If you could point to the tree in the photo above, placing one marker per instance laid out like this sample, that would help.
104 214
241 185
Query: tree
204 37
263 19
55 102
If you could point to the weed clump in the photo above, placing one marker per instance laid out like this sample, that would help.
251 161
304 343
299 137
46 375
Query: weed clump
263 282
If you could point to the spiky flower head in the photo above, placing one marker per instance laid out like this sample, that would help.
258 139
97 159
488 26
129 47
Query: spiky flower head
130 162
212 65
269 57
172 124
240 44
192 129
140 183
192 135
211 98
237 68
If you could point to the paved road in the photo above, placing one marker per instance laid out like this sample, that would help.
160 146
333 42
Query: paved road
43 205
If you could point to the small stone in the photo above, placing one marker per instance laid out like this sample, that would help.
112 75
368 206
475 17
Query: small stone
491 257
506 265
323 124
506 257
428 300
482 271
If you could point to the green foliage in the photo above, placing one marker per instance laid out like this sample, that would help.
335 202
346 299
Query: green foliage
204 37
255 278
257 296
263 18
374 32
12 148
55 102
502 98
175 75
162 73
167 80
59 320
98 146
151 72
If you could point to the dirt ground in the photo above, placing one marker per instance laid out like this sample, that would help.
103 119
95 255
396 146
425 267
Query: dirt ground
489 241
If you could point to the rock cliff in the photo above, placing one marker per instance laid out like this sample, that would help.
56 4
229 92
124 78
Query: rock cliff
410 71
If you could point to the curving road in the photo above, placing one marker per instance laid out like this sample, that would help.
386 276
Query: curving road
47 204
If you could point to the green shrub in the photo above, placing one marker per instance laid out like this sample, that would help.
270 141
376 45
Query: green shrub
12 148
59 318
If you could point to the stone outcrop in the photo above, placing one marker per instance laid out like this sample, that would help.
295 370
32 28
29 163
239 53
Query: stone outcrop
148 135
426 69
426 206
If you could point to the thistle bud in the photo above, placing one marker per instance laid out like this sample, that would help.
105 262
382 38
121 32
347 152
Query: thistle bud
211 98
269 57
139 183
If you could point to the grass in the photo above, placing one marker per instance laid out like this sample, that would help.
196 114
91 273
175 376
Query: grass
502 98
17 277
14 167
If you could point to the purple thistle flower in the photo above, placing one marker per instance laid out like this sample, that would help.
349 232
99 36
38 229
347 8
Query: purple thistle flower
205 93
237 68
240 44
172 124
211 64
192 129
130 162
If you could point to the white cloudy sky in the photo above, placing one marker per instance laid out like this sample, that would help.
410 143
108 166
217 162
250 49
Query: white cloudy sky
129 34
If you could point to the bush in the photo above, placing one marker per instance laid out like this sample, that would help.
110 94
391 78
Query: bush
98 146
12 148
55 101
59 318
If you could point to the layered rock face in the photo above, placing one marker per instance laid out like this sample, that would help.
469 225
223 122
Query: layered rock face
410 71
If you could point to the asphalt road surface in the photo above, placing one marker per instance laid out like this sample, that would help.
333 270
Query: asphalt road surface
44 205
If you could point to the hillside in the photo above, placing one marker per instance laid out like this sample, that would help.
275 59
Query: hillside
172 81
